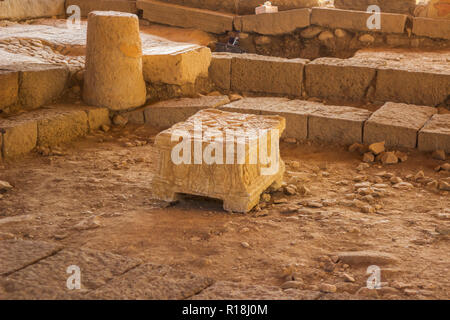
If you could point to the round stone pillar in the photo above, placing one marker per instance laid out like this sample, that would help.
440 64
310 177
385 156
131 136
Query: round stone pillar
113 76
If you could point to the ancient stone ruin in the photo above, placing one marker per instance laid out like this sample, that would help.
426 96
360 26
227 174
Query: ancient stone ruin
199 150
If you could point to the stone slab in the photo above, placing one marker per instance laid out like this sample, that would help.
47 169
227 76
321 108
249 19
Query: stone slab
337 124
396 6
97 117
256 105
135 116
179 16
435 135
165 114
220 70
263 74
152 282
339 79
28 9
9 88
433 28
97 268
274 23
19 136
87 6
175 66
356 20
397 124
18 254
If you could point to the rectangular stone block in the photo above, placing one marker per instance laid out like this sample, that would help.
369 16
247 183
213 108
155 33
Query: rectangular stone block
41 84
135 116
339 79
165 114
394 6
435 135
433 28
220 70
19 136
223 155
179 16
263 74
175 66
87 6
397 124
59 126
274 23
97 117
26 9
357 20
336 124
9 88
253 105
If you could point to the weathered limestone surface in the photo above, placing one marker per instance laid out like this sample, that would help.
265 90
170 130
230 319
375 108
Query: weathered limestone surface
339 79
433 28
356 20
253 105
17 254
220 70
165 114
175 67
274 23
97 117
113 76
27 9
175 15
87 6
152 282
19 136
97 268
435 135
135 116
58 125
421 78
336 124
395 6
41 84
205 170
9 88
397 124
255 73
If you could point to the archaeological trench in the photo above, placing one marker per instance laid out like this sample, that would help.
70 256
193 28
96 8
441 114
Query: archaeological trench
186 149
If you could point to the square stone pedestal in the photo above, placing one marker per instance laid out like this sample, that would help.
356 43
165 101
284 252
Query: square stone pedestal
224 155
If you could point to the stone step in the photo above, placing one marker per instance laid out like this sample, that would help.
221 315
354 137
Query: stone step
432 28
25 9
396 6
48 127
186 17
87 6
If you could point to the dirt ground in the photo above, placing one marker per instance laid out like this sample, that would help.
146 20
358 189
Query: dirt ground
103 179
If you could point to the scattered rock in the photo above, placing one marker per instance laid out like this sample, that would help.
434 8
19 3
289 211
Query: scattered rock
357 147
119 120
419 175
235 97
366 258
368 209
445 186
92 222
105 128
368 157
377 147
362 166
245 244
325 35
5 186
293 284
290 190
311 204
327 288
403 186
439 155
340 33
367 38
402 157
388 158
348 278
265 197
366 292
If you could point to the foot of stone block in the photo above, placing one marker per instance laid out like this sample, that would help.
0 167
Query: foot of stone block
243 204
164 192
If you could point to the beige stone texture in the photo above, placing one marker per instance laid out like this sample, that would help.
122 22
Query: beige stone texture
41 84
113 76
28 9
9 88
60 125
179 16
336 124
19 136
263 74
165 65
435 135
339 79
97 117
240 182
394 6
274 23
257 105
220 70
165 114
135 116
87 6
356 20
397 124
433 28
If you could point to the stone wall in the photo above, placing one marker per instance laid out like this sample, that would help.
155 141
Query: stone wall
28 9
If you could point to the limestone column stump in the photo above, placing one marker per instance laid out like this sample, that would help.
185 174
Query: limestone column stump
113 76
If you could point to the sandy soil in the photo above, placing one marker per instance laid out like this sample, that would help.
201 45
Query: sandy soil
100 176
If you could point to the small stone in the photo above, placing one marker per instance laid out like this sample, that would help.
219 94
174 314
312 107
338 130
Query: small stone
280 201
290 190
357 147
395 180
92 222
265 197
312 204
6 236
445 167
367 209
245 244
310 32
5 186
388 158
377 148
368 157
362 166
403 186
327 288
401 156
348 278
325 35
419 175
340 33
443 185
235 97
439 155
105 128
367 38
119 120
304 190
292 285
